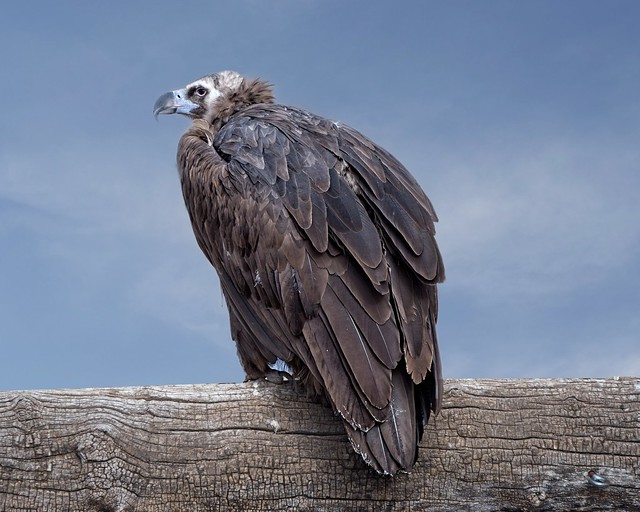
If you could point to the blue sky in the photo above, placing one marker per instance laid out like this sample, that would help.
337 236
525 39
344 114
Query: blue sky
520 119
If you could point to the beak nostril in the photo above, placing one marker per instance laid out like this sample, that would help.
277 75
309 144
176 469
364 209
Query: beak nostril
174 102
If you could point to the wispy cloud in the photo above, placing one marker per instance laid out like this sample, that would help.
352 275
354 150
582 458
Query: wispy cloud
532 225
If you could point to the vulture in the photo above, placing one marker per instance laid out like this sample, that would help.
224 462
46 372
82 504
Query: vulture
324 246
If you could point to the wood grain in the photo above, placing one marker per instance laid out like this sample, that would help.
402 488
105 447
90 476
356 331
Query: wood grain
497 445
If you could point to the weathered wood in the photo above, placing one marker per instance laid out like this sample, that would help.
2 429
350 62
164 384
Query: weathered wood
497 445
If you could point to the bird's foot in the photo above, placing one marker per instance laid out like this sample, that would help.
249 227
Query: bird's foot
271 375
277 376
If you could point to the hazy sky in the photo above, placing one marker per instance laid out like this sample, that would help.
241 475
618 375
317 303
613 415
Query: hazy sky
521 119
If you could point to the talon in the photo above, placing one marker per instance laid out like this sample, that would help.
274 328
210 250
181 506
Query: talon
277 377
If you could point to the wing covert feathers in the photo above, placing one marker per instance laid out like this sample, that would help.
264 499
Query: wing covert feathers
324 244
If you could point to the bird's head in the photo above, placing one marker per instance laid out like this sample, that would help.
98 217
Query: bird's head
206 97
201 99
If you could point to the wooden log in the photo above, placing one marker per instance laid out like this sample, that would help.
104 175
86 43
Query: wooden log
504 445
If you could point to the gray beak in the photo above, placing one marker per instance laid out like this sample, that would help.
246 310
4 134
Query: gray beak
174 102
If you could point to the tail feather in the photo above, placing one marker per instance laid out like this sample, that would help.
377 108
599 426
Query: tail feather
391 445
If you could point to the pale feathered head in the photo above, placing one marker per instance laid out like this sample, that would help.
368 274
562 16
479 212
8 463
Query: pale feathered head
206 97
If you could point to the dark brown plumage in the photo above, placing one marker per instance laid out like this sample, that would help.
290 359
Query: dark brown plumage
324 244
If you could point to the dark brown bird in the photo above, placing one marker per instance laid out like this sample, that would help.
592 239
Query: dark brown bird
324 245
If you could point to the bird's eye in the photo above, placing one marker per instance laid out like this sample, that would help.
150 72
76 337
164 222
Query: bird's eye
200 91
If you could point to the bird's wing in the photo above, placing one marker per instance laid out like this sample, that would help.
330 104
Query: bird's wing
404 218
319 251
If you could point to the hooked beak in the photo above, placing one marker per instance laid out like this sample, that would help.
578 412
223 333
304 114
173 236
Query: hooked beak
173 102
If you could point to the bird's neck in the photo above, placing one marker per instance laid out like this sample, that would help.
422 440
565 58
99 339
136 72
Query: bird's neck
250 92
